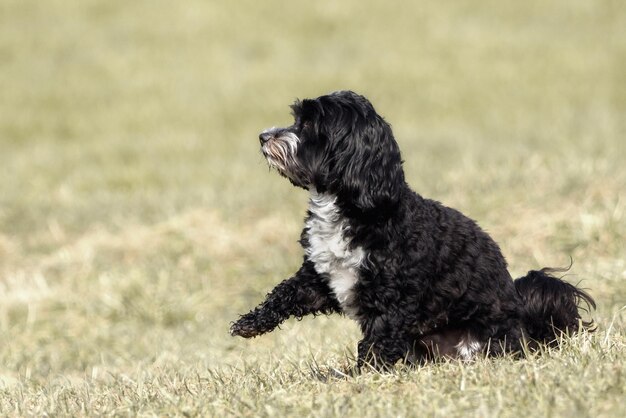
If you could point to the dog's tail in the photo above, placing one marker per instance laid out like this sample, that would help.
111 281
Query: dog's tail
551 307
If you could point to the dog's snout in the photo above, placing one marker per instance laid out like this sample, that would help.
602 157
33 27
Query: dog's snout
264 137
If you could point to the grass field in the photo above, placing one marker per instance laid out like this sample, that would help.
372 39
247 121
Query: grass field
137 217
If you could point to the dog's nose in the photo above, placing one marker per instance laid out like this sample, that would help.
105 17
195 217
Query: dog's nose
264 137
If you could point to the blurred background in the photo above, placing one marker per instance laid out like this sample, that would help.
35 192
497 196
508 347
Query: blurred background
138 218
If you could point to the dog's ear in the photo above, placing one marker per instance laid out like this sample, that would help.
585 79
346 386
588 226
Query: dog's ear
369 165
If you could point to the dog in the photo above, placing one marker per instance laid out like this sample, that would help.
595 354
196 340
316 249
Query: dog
422 280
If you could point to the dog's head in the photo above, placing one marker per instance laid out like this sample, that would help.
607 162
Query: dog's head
338 144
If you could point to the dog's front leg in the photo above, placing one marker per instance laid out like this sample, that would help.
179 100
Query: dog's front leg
381 351
303 294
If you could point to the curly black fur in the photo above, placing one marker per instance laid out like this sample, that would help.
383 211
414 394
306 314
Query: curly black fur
543 320
422 280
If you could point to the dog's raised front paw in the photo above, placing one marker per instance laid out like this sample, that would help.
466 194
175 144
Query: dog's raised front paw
243 328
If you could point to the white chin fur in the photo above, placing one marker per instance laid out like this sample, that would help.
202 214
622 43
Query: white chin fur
280 151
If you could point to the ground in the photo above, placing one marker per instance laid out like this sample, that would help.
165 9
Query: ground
138 219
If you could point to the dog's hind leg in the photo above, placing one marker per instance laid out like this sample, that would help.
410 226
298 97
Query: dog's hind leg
303 294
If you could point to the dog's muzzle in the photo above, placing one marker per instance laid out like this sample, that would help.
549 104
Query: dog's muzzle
279 146
265 137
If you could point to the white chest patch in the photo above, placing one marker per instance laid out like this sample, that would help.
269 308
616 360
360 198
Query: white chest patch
330 251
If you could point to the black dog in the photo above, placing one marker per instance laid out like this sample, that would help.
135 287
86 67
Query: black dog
422 280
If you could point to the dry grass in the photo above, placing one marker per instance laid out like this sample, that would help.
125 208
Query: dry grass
137 218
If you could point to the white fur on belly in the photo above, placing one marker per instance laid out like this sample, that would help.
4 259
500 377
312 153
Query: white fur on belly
330 251
467 348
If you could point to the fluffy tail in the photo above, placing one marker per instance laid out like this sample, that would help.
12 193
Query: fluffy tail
551 306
